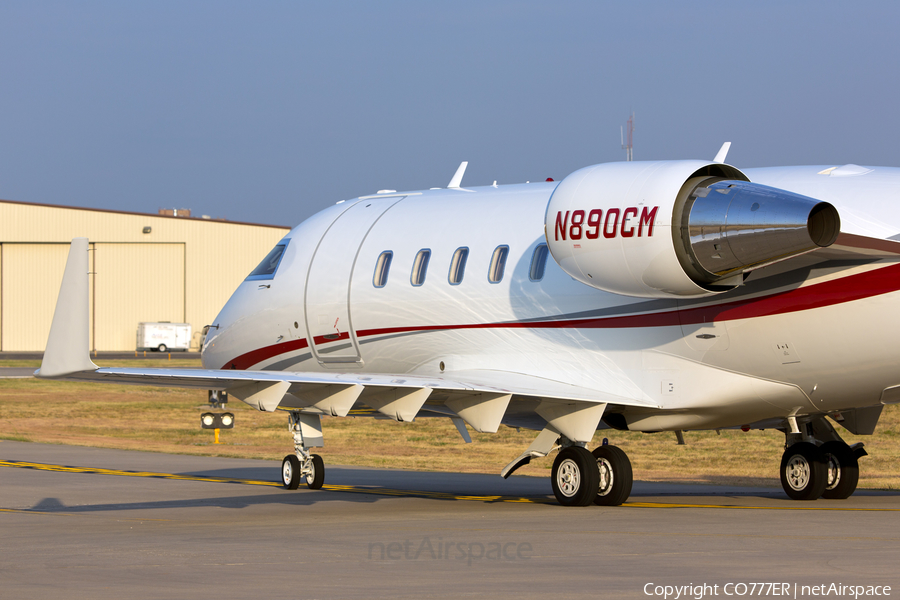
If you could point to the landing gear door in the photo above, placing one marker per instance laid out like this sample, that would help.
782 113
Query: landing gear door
329 323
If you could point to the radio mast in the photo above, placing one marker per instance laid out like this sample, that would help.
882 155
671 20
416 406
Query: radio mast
628 141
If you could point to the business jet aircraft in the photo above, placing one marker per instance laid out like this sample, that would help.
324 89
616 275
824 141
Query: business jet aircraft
641 296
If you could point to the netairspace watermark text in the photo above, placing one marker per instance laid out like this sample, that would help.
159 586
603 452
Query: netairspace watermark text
755 590
440 549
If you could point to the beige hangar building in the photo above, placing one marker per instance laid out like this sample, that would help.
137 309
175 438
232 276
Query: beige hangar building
145 268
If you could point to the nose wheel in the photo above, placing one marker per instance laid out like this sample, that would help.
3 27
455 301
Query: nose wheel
316 476
293 470
306 430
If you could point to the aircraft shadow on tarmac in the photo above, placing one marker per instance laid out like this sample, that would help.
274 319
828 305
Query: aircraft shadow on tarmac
372 485
364 496
54 505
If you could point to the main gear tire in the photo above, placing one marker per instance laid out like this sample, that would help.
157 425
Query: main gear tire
842 470
616 476
803 471
575 477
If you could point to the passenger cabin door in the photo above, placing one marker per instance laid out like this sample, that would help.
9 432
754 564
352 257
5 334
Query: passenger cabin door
329 325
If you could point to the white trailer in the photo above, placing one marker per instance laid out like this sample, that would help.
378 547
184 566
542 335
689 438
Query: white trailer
164 337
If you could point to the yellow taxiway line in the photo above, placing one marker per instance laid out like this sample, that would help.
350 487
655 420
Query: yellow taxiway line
380 491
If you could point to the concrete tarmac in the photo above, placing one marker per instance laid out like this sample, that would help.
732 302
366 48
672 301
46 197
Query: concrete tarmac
16 372
92 523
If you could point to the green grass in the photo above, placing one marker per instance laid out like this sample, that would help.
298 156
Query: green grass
167 420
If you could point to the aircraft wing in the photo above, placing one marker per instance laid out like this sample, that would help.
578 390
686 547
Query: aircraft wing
480 398
505 382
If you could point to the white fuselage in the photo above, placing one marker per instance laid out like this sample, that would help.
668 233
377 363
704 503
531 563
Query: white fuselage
808 341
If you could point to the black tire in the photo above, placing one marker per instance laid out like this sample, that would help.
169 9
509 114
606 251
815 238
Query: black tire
162 348
575 477
315 479
290 472
803 472
842 470
616 476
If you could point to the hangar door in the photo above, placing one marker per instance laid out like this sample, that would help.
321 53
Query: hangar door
30 277
130 283
134 283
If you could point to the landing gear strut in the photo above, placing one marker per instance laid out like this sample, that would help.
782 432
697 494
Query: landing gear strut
307 432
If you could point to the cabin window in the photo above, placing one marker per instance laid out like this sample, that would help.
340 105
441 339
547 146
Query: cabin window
538 262
268 266
458 265
498 264
420 267
382 268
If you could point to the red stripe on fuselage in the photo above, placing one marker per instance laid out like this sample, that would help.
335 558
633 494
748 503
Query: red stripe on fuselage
838 291
829 293
245 361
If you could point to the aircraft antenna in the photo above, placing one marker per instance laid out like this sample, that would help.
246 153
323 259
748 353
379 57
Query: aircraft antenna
628 140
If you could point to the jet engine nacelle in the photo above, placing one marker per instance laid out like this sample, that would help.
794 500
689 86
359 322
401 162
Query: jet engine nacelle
677 229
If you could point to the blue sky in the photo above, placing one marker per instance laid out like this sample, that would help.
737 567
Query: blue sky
270 111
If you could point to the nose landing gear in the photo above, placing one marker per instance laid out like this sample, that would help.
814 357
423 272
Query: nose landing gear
307 432
293 469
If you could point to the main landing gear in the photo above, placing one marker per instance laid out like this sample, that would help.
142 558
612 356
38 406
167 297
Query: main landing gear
582 478
811 469
307 432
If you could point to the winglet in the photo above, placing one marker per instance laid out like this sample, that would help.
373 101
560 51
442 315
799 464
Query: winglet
68 345
457 178
723 152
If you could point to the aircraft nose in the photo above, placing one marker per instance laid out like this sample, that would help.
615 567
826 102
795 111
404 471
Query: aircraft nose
211 350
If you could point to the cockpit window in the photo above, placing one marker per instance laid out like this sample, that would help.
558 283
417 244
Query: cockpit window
268 266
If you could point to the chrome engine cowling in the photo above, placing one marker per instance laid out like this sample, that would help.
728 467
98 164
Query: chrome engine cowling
730 227
677 229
